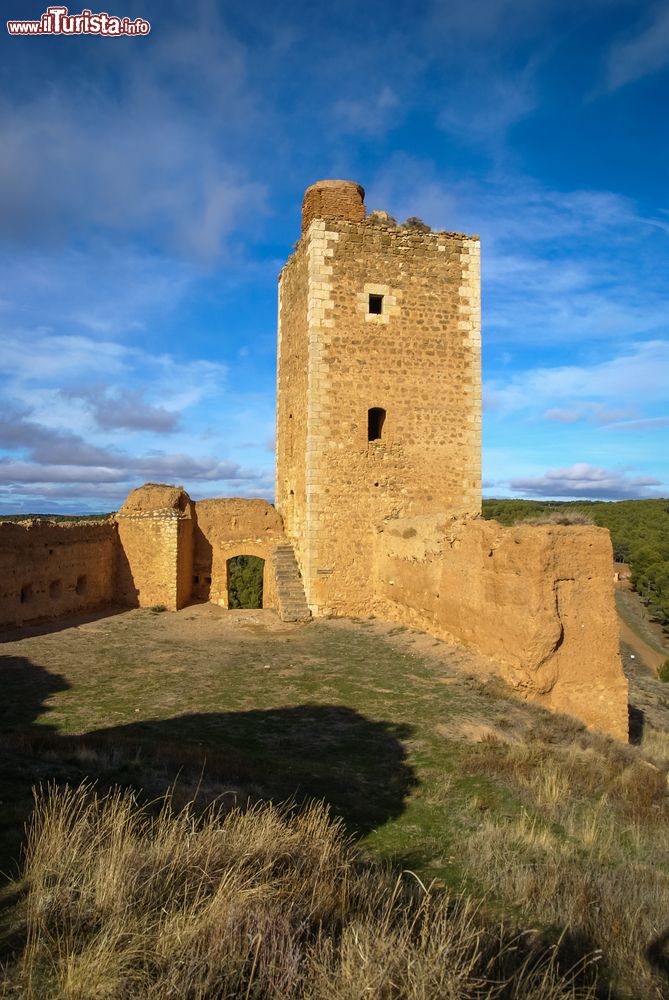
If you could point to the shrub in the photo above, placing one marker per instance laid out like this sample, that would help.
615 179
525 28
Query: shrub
560 517
663 671
413 222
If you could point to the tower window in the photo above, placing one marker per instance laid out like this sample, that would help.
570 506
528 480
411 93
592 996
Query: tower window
375 420
376 304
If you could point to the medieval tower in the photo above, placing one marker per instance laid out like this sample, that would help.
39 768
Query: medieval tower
378 386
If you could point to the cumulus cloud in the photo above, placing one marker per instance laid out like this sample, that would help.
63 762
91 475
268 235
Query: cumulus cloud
49 456
587 482
49 446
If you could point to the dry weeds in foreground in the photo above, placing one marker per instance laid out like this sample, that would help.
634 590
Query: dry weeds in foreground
258 904
589 851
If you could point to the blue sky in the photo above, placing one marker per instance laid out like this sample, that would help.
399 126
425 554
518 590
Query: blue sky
150 191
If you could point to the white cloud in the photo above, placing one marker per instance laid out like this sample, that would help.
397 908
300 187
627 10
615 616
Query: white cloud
636 377
564 416
148 157
642 424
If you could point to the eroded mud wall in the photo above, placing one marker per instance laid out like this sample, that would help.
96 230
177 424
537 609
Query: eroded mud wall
49 569
538 601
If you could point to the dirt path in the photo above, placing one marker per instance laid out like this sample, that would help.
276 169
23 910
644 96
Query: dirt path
637 633
650 657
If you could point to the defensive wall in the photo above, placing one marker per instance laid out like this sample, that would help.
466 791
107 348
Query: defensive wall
160 549
538 601
48 570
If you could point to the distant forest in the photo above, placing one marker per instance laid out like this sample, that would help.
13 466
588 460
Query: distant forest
639 531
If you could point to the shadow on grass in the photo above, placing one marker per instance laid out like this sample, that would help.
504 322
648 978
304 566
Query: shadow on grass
355 764
46 626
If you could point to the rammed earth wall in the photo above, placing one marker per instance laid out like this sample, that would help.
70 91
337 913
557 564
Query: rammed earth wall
48 570
538 601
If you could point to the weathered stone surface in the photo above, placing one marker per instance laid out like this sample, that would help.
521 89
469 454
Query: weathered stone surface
333 200
226 528
153 497
538 601
50 569
417 359
154 563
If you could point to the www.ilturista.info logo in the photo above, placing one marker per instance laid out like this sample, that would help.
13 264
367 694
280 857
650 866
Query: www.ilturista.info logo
57 21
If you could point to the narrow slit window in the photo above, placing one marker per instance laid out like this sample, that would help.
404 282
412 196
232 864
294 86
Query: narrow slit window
376 304
376 418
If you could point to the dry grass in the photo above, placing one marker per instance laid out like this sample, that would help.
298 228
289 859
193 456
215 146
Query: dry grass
559 517
125 902
590 851
655 746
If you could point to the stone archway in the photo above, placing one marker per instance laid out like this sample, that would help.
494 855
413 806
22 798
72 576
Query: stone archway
229 552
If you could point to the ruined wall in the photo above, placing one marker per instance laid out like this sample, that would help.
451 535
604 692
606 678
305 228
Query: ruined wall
155 555
226 528
418 359
537 600
49 569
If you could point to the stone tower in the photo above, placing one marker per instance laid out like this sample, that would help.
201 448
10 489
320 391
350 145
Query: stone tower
378 387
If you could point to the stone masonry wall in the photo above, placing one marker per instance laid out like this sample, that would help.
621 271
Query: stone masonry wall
291 401
537 601
227 528
154 559
419 360
333 200
48 569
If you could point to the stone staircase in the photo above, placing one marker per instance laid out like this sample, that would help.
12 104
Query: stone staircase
292 604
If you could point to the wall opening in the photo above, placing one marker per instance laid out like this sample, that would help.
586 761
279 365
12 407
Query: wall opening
245 582
82 584
55 589
376 418
375 304
26 593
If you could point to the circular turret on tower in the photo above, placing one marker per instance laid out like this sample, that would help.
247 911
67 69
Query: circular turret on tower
333 200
